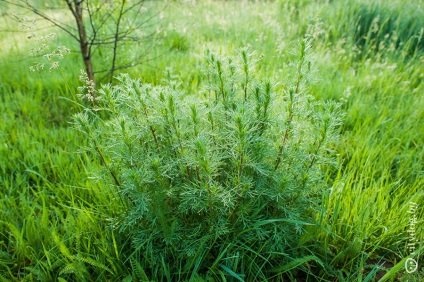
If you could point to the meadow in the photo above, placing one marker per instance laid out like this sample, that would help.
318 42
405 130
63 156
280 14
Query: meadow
63 219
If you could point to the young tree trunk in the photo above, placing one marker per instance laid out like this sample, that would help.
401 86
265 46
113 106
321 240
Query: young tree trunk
100 34
77 11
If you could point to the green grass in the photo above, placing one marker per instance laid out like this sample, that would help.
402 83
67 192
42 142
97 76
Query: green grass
55 219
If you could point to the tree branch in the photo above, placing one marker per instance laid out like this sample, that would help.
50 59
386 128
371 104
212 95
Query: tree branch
115 45
27 6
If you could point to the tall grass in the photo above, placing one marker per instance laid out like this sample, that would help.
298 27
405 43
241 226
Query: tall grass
377 28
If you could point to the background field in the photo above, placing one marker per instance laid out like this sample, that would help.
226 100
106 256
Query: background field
54 219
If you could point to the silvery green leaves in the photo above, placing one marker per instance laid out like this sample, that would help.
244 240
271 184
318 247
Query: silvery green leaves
209 168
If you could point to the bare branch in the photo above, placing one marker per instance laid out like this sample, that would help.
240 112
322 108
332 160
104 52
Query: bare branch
94 30
115 46
140 59
27 6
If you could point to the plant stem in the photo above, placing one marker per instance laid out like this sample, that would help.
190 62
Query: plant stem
96 146
293 95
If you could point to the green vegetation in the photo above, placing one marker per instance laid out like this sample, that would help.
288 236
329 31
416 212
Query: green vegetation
219 183
64 218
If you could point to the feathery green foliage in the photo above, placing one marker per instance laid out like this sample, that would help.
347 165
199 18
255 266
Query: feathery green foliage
241 165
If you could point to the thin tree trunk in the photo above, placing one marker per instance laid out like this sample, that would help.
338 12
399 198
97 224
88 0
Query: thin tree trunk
77 11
